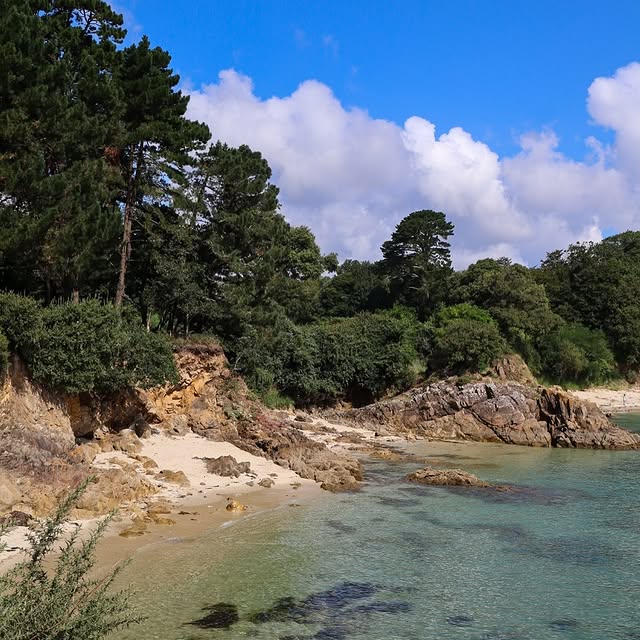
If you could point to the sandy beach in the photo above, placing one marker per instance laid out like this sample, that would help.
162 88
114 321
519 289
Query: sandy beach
182 509
612 400
199 503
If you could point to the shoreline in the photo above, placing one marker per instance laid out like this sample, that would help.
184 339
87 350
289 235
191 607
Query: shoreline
612 400
190 508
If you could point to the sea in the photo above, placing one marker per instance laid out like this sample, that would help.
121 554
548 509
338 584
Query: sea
556 556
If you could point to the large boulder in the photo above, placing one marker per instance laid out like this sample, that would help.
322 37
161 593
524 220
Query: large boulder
446 478
227 466
494 412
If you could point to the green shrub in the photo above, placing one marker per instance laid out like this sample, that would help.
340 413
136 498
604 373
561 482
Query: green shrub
86 346
94 346
59 601
575 353
357 358
464 338
20 319
4 355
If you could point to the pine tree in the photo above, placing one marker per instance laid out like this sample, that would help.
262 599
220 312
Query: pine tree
157 138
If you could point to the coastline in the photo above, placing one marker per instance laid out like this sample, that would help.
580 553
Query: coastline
612 400
197 504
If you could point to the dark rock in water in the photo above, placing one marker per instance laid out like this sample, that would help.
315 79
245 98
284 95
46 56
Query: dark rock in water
446 478
227 466
494 412
460 621
565 624
340 526
220 616
383 607
330 633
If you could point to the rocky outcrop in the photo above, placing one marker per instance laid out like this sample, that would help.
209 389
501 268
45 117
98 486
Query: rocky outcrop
493 412
212 402
445 478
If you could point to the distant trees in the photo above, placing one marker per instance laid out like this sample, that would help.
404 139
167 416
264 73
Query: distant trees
108 192
417 260
598 285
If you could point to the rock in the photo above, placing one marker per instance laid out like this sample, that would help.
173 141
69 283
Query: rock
446 478
158 508
267 483
234 505
227 466
16 519
85 453
126 441
158 519
137 529
492 412
148 464
174 477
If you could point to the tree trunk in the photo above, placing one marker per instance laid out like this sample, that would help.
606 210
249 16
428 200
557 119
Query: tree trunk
75 296
125 247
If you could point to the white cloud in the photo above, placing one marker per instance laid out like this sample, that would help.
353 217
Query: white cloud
352 178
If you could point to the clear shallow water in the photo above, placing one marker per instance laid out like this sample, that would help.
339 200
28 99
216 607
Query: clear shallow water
559 559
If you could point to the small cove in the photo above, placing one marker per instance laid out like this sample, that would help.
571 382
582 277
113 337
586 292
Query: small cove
559 558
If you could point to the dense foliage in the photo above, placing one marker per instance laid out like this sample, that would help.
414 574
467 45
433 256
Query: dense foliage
63 601
358 358
109 192
85 346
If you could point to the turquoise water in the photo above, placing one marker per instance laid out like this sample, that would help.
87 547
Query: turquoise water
558 558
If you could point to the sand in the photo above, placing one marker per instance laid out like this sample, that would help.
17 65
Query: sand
612 401
207 494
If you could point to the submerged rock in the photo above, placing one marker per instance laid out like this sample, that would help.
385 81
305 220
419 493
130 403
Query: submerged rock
446 478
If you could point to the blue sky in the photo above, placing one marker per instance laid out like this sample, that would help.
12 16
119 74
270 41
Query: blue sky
498 70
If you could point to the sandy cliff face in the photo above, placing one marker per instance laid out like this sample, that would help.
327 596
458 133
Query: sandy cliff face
495 412
48 441
210 401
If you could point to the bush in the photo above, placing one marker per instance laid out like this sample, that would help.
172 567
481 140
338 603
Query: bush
464 339
20 319
86 346
357 358
61 602
575 353
94 346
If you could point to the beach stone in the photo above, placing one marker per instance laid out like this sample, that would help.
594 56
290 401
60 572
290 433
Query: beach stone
267 483
226 466
235 506
137 529
16 519
174 477
446 478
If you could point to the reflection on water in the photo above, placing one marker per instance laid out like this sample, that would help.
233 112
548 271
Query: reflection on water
557 557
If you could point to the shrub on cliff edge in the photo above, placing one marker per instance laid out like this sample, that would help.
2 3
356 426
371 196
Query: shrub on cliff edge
89 346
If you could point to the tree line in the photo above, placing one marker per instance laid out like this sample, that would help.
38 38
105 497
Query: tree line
121 222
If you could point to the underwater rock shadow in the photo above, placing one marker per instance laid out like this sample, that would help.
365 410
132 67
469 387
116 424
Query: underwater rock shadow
221 616
336 610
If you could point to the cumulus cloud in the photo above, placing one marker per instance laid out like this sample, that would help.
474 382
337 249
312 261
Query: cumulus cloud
351 178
